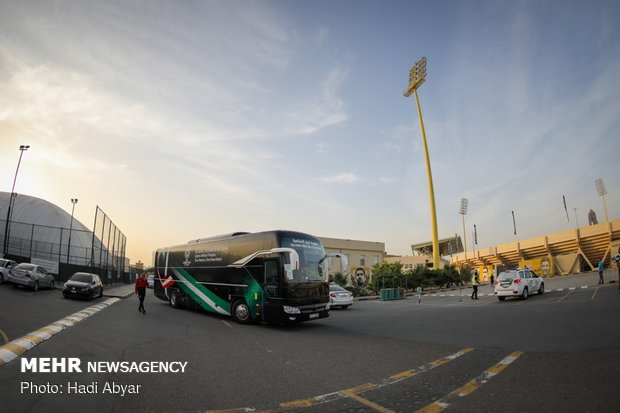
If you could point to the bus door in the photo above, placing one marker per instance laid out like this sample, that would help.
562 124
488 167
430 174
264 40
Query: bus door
272 287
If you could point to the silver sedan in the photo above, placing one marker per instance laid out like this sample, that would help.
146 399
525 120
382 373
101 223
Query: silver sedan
31 275
339 297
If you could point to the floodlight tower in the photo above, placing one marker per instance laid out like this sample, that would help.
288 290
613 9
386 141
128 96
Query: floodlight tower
7 228
600 187
463 212
417 76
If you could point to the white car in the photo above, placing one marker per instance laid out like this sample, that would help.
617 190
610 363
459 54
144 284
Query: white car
151 281
5 266
518 283
339 297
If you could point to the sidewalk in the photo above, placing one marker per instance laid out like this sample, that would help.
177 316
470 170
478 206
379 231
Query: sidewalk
118 290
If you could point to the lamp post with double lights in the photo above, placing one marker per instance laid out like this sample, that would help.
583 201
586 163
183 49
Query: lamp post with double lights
5 250
600 187
417 76
73 201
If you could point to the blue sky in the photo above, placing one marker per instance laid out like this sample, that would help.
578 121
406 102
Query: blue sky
189 119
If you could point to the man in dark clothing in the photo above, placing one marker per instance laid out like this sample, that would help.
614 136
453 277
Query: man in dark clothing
140 289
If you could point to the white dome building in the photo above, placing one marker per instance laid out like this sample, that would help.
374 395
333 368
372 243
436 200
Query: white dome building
40 229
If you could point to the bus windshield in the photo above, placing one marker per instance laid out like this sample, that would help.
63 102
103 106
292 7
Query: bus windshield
311 253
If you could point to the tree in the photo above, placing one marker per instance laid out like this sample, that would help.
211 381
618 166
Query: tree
340 279
383 275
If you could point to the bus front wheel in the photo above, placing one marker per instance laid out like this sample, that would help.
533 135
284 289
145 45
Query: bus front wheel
241 312
174 299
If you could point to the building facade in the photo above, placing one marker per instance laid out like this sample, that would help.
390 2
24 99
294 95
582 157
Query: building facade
361 256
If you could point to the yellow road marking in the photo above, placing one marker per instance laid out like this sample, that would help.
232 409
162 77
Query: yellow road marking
360 389
352 392
594 293
4 337
368 403
403 375
471 386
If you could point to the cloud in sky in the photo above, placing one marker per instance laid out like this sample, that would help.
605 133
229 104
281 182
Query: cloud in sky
342 178
189 119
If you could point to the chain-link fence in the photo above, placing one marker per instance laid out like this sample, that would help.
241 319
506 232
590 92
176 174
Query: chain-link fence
101 252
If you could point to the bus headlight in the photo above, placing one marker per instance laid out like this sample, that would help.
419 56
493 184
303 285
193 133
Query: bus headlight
291 310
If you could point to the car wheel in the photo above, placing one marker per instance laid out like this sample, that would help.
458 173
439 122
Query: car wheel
91 295
101 293
524 295
241 312
14 285
344 307
174 299
541 290
35 287
1 278
501 298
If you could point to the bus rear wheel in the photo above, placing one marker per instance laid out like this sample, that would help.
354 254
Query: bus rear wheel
241 312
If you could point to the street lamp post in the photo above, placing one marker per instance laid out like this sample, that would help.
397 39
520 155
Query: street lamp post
73 201
417 76
5 249
463 212
600 187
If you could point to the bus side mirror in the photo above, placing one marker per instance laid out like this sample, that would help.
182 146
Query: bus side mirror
293 260
344 262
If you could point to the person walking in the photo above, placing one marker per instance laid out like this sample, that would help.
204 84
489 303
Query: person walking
601 267
475 282
140 289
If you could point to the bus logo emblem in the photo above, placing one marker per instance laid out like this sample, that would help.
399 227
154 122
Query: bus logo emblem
187 261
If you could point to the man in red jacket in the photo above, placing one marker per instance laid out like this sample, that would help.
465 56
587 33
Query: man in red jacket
141 284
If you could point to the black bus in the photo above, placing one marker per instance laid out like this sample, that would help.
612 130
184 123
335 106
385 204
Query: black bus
271 277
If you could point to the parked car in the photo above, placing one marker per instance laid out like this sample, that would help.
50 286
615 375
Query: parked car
151 281
31 275
518 283
339 297
5 266
84 285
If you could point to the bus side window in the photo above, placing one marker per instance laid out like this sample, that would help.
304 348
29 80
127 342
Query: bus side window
272 278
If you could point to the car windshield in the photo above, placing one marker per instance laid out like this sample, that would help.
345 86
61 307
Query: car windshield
27 267
3 262
334 287
507 276
85 278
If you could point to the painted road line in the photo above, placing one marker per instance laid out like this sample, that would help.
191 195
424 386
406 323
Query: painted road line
368 403
352 392
5 338
564 296
19 346
594 293
471 386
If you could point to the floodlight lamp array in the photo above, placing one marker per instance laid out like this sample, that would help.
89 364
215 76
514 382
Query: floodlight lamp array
464 203
417 76
600 187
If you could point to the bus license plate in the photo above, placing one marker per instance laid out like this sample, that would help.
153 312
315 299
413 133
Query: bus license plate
314 315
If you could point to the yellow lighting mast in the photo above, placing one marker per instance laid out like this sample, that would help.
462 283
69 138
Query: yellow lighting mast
417 76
